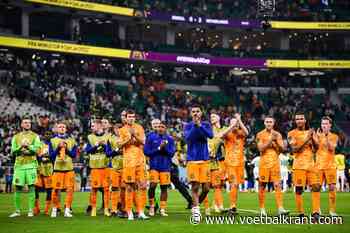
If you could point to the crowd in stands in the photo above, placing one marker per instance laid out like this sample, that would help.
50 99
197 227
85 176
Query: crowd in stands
316 10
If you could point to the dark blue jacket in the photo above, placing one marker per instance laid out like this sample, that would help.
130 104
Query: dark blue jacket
160 160
196 138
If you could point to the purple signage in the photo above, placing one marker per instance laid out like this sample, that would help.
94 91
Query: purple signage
154 15
201 60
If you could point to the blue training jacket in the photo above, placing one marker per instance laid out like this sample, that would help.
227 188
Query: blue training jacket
160 160
196 138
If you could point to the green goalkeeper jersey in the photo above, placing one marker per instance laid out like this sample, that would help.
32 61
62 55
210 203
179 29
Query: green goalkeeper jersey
25 157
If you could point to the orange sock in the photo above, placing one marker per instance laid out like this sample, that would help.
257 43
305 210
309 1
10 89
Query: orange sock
93 197
206 202
128 200
261 198
106 195
141 200
332 200
278 197
134 198
37 207
299 203
47 207
54 198
58 198
114 200
315 196
233 196
69 197
218 197
163 205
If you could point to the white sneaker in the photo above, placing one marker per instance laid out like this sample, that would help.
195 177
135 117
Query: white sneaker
151 211
207 212
142 216
54 213
282 211
130 216
263 212
333 214
163 213
17 213
67 213
30 214
196 210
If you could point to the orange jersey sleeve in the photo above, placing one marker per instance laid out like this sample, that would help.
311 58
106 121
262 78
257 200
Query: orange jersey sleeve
325 157
304 158
234 148
268 157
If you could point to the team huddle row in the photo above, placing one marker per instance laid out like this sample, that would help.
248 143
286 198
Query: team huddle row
215 154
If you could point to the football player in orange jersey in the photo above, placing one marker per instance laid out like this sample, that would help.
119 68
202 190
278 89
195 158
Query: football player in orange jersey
326 142
234 139
132 140
270 143
304 172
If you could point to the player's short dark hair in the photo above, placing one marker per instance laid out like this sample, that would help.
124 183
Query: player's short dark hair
327 118
269 116
196 105
299 113
130 112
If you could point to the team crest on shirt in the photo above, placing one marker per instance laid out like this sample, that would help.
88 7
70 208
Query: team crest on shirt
17 181
299 181
263 177
129 178
95 182
58 184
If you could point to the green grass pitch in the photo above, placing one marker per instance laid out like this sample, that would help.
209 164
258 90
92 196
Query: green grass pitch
178 220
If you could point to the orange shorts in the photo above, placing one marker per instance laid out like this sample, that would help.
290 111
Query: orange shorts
44 181
163 178
134 174
272 174
235 174
116 178
328 175
222 168
99 177
302 178
63 180
198 172
215 178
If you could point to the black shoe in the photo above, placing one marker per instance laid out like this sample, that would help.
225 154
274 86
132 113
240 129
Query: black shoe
122 214
58 211
315 217
232 211
88 210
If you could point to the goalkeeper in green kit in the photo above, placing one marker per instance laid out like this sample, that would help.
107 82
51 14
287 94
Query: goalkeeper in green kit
24 147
